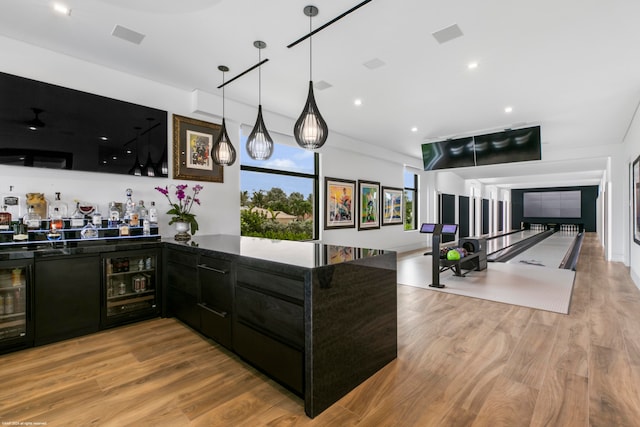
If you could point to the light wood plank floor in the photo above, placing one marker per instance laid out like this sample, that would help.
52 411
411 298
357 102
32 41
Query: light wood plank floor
462 362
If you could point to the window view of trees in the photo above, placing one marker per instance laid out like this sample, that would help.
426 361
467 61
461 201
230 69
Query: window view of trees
275 215
410 202
277 195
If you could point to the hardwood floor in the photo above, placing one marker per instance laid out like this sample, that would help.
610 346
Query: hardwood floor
461 362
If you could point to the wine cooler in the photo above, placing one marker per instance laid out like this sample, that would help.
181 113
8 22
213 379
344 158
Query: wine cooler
15 310
130 286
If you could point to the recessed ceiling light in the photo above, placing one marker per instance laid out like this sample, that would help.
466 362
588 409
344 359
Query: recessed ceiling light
104 138
414 129
357 102
508 109
62 9
472 65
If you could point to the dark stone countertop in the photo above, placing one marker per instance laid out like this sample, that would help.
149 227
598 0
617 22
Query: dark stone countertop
302 254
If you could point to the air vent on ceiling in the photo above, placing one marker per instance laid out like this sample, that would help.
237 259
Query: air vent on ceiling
447 34
127 34
321 85
374 63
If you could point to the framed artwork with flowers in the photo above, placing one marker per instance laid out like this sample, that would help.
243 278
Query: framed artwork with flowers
192 143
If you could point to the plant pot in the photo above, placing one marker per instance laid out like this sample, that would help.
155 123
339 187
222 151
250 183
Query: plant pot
182 229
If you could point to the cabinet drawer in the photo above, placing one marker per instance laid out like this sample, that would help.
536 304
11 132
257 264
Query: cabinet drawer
216 286
184 258
183 278
278 360
215 324
272 283
274 316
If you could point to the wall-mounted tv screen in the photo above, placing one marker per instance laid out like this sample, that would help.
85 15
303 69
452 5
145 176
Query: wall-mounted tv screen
490 149
453 153
552 204
507 147
49 126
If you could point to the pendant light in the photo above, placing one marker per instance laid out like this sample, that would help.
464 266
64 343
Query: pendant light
222 151
149 168
259 143
136 169
310 130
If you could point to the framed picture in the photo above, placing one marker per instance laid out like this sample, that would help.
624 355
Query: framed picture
335 254
192 143
635 190
368 205
339 203
392 205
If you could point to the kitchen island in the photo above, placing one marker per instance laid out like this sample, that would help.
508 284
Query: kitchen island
318 318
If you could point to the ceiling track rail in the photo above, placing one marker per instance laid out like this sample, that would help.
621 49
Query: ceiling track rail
322 27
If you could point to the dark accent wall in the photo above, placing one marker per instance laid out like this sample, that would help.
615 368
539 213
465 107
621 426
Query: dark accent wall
589 195
485 216
463 216
447 213
500 215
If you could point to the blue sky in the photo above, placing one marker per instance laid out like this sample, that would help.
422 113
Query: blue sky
284 157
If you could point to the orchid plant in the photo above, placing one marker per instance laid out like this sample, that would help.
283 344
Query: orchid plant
181 209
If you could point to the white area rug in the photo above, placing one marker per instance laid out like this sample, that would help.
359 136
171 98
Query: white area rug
518 284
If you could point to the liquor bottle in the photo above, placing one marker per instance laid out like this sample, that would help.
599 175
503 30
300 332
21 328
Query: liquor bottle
89 231
77 218
153 213
13 203
114 215
129 206
143 213
60 205
5 219
56 220
32 219
96 218
8 304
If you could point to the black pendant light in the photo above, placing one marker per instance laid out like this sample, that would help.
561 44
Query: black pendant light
149 167
222 151
310 130
259 143
136 169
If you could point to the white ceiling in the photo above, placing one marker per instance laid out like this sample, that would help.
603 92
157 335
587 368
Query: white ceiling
570 66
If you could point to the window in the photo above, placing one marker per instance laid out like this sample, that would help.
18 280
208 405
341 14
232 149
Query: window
279 196
410 200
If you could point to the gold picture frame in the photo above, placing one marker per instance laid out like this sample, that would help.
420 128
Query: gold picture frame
192 143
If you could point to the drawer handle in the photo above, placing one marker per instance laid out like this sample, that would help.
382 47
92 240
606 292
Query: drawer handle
206 267
216 312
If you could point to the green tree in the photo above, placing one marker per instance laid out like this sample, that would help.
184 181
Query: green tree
277 200
244 198
258 199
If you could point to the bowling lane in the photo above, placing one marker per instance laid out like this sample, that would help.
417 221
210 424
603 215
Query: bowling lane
498 243
549 252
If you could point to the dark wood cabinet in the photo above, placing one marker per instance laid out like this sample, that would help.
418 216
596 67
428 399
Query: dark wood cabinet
66 297
182 286
215 278
269 324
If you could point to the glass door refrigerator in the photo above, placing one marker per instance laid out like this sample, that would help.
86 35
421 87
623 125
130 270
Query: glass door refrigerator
16 329
130 286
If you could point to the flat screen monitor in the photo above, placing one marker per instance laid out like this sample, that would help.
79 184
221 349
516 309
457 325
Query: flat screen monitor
428 228
449 228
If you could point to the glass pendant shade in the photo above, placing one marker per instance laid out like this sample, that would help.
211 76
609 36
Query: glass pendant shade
222 151
149 168
259 143
310 130
136 169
